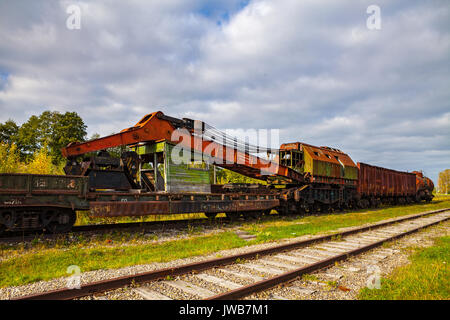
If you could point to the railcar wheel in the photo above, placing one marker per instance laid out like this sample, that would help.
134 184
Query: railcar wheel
373 203
361 204
307 209
315 208
59 221
233 215
252 214
8 219
300 209
210 215
325 208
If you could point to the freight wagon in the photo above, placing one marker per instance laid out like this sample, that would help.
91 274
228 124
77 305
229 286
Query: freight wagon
36 202
32 201
380 185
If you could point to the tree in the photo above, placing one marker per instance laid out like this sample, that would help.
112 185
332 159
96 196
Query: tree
444 181
42 163
28 137
8 132
65 128
9 159
51 129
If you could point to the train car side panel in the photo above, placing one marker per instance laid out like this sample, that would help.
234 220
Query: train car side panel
381 182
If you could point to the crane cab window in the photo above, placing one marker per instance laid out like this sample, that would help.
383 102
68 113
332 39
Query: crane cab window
291 158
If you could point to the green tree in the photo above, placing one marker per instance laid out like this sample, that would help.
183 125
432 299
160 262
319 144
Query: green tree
51 129
65 128
8 132
28 137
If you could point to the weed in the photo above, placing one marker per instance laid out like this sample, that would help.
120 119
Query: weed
310 277
426 278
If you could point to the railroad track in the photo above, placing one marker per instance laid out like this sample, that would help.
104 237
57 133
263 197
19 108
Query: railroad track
241 275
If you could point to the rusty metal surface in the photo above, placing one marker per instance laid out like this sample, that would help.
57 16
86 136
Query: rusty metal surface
324 164
378 181
41 183
422 182
88 289
322 153
149 128
139 208
37 191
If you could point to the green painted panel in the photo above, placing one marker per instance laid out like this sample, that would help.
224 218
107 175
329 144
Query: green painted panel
351 173
327 169
186 177
151 148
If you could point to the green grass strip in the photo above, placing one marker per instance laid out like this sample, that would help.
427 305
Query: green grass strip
426 278
53 263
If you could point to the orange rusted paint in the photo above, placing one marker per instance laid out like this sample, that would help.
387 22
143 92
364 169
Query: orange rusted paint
157 127
149 128
378 181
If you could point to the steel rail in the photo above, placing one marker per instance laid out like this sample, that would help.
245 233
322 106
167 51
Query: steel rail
289 276
115 283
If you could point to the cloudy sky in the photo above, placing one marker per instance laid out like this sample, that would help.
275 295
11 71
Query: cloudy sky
312 69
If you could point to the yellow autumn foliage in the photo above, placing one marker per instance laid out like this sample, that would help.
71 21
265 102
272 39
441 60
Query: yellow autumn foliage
10 159
40 163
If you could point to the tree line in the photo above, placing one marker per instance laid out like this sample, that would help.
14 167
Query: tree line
35 146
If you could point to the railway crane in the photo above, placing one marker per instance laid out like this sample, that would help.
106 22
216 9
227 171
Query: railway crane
164 168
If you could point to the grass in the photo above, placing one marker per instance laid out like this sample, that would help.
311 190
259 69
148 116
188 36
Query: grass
53 263
26 263
83 218
310 277
314 278
426 278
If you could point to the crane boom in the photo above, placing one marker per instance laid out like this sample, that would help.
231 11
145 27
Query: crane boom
158 127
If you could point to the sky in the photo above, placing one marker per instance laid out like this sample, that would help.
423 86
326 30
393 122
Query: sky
314 70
